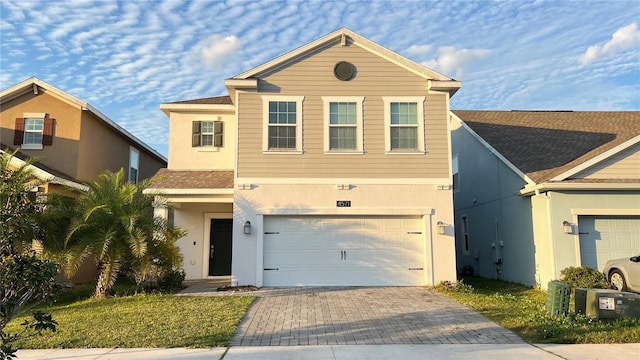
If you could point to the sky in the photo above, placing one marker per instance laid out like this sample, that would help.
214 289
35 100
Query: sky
125 58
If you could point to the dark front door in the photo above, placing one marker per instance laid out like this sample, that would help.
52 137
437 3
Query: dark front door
220 247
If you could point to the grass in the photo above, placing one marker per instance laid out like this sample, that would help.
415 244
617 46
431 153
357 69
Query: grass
522 310
143 320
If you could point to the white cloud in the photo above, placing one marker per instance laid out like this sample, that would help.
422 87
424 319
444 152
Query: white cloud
218 48
419 49
451 60
627 37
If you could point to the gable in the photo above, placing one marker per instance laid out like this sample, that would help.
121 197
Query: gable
623 165
546 144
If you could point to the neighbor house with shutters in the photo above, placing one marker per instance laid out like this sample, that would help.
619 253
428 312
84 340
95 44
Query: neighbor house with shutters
328 165
70 139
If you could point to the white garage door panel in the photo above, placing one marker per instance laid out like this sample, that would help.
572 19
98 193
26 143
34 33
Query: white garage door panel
331 250
605 238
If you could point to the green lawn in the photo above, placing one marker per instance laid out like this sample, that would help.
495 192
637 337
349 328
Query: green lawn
522 310
141 321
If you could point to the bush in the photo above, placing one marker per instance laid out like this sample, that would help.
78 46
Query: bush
584 277
171 281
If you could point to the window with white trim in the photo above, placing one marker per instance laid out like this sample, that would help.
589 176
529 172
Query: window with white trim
33 131
343 124
282 129
134 163
404 124
207 133
465 234
456 174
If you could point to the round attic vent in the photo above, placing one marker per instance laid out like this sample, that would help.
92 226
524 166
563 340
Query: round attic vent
344 70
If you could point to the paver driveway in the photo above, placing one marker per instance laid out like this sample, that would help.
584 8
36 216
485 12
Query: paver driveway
364 315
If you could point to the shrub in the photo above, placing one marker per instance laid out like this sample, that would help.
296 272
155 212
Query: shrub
171 280
584 277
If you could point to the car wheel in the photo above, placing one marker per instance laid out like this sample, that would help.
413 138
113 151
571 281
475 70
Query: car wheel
617 280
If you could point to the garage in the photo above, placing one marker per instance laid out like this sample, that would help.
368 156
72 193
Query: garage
343 251
603 238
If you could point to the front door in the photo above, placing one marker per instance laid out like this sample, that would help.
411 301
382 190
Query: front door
220 247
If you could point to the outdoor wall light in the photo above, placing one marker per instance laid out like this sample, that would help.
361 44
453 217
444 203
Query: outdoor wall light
247 228
441 227
568 227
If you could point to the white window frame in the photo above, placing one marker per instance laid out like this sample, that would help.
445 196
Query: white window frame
420 126
265 124
466 240
32 146
359 100
455 173
134 163
203 133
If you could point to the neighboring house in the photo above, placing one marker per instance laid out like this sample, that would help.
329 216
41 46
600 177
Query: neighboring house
69 136
329 165
538 191
70 140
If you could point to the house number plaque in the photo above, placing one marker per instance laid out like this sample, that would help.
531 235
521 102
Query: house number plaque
343 203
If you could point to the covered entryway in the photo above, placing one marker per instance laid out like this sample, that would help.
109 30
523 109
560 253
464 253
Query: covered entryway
343 250
220 239
603 238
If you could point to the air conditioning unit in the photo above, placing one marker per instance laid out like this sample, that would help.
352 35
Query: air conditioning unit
607 304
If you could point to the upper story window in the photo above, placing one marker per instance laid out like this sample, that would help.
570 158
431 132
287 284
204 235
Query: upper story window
404 124
456 174
33 131
282 128
134 163
207 133
343 124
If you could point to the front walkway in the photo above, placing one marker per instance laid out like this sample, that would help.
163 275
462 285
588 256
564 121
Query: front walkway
360 316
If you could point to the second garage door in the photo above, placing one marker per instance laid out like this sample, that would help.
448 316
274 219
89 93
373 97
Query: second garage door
343 251
604 238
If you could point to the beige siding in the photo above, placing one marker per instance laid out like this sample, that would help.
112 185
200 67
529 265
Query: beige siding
313 78
624 165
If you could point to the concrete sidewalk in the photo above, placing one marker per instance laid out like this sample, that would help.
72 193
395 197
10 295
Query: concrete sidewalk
352 352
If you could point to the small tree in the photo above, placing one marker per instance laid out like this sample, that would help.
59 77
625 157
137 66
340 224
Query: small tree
118 229
25 279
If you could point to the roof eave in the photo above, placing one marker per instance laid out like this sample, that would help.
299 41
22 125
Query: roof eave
550 186
26 85
339 35
173 107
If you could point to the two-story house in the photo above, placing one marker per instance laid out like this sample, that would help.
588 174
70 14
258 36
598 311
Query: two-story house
329 165
69 136
71 141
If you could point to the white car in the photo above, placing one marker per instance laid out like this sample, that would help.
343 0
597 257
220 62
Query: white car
624 274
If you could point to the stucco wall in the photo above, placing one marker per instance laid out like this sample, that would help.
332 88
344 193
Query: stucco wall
182 156
194 247
564 249
366 199
500 221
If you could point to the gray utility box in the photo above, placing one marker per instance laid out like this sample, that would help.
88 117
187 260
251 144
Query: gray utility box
558 296
607 304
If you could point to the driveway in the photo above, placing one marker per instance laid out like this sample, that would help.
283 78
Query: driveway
363 315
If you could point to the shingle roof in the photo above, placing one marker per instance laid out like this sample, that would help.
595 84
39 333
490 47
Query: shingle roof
543 144
51 170
192 179
218 100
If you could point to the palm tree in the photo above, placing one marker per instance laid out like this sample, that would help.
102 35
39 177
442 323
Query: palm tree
116 228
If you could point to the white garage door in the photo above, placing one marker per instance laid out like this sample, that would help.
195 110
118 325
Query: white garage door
604 238
343 251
